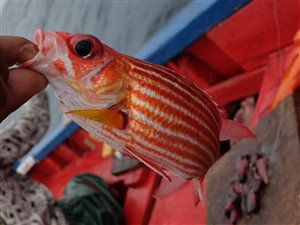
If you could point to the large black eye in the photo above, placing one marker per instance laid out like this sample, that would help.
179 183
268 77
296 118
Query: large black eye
83 48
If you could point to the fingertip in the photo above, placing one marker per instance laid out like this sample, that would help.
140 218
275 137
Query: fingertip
40 82
21 85
27 52
17 49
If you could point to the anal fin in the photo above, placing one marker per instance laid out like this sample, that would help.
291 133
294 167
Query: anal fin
151 165
166 187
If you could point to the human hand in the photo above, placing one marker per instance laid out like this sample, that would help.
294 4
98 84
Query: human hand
17 85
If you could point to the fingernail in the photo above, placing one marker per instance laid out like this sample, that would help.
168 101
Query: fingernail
27 52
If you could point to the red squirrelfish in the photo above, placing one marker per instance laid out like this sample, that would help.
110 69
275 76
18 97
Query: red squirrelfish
144 110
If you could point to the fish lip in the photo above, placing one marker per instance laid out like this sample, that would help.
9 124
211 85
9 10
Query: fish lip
39 37
45 40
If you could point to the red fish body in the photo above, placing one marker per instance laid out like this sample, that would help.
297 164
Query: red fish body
144 110
174 124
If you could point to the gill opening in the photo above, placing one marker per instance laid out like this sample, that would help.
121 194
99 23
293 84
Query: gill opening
86 80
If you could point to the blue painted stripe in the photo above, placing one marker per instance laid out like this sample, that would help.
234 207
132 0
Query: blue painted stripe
192 22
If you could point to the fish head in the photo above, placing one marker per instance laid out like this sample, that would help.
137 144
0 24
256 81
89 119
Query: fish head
84 73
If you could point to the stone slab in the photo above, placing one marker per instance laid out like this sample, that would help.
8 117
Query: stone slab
278 140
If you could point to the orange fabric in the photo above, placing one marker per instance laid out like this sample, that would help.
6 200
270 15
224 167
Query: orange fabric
282 77
291 79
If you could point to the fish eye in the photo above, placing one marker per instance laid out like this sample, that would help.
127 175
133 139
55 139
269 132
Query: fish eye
83 48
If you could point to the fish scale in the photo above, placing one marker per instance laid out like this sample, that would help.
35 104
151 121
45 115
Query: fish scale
184 123
147 111
172 143
169 107
176 102
176 90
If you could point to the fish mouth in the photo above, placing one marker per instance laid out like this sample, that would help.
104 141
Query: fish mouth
45 40
50 46
39 38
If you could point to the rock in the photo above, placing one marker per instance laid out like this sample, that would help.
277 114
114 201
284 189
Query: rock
278 141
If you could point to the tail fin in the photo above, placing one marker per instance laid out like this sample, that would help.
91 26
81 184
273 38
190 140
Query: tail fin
234 130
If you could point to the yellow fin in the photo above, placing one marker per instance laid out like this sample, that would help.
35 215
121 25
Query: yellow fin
107 150
108 117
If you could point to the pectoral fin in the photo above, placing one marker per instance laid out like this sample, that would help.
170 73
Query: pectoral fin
107 150
108 117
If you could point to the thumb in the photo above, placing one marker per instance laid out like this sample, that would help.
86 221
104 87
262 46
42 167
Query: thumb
23 84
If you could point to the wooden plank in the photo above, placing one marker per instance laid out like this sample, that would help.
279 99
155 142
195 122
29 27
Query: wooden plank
194 20
139 202
214 57
195 70
236 88
258 29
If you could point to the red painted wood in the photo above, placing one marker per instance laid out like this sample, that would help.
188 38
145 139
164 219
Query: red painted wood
82 142
179 208
139 201
194 69
237 88
44 169
63 155
214 57
258 29
243 41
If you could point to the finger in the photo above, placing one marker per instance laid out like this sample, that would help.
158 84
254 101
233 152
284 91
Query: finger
16 49
22 84
3 95
3 100
3 69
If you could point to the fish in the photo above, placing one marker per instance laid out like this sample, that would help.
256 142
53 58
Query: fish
143 110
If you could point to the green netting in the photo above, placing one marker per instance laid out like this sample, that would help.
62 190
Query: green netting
89 201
